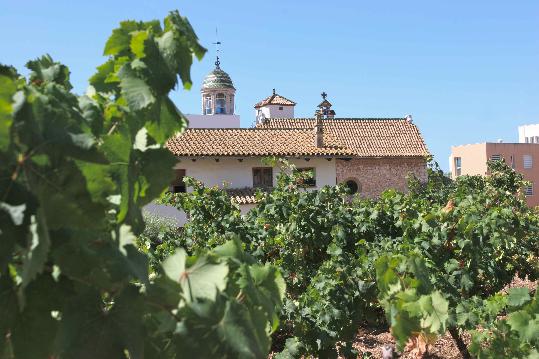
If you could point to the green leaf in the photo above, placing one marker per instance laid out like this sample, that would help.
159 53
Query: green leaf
8 88
9 308
86 331
245 335
102 79
127 317
523 323
92 113
65 199
436 309
518 296
119 41
44 69
34 330
136 92
137 43
154 173
293 349
169 122
201 280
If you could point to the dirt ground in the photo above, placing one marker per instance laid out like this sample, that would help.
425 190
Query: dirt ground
373 341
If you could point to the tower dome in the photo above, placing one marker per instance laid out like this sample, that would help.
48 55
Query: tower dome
217 92
217 79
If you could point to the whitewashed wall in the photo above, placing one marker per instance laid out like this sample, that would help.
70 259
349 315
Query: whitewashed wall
235 174
272 111
213 121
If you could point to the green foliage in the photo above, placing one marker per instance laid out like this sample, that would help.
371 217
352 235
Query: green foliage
160 239
74 174
212 216
514 336
432 259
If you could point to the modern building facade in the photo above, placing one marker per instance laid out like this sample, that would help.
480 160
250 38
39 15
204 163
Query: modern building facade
522 157
528 133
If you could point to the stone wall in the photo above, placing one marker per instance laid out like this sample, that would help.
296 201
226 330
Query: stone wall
375 175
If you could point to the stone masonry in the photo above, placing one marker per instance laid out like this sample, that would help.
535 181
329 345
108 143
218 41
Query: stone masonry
375 175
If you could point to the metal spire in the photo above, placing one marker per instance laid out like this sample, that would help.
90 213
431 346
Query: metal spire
217 43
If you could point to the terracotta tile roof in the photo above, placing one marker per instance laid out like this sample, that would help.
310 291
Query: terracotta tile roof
275 99
243 195
195 142
365 137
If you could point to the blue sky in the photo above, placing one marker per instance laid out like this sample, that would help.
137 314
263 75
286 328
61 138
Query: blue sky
468 71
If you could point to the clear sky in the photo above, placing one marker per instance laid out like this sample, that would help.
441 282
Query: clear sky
468 71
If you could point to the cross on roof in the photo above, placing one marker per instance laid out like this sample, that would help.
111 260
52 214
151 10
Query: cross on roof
324 95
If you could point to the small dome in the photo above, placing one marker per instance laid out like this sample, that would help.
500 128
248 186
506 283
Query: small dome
217 79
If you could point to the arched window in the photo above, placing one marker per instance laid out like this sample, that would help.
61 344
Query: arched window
207 105
353 186
220 103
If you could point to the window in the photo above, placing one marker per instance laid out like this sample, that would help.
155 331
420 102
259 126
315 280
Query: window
512 162
528 161
311 180
280 108
353 186
536 139
528 190
178 186
496 157
207 105
458 166
262 177
220 103
527 139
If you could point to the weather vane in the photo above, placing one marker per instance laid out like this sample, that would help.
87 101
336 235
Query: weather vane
217 43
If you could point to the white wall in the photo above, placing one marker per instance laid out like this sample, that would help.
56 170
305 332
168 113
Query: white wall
213 121
272 111
166 212
530 131
238 174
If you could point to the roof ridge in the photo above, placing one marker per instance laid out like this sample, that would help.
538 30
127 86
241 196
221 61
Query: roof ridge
244 128
339 118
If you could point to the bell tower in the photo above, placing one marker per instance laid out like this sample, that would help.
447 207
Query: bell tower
217 100
218 92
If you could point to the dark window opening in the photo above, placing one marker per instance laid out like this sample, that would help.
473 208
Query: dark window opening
458 166
220 104
178 185
310 181
353 186
263 177
281 108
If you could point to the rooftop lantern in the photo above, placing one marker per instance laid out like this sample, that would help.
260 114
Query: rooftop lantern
324 109
217 92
